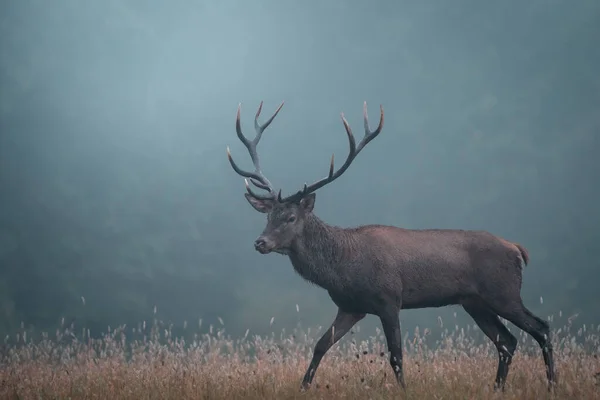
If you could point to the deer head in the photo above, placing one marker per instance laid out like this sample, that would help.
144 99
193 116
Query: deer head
286 216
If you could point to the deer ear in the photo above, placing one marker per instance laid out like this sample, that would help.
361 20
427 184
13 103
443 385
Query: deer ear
308 202
263 206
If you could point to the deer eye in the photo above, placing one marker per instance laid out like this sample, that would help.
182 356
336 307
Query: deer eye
291 219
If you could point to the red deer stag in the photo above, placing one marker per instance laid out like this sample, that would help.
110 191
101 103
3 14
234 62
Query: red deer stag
380 270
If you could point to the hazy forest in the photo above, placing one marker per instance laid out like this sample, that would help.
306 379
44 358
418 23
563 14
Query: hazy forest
118 204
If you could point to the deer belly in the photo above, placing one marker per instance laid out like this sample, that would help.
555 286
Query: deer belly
429 297
357 302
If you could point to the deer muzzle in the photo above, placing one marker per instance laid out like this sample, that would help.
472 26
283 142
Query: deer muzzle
263 245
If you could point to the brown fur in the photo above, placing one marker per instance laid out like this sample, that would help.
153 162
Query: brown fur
520 248
524 253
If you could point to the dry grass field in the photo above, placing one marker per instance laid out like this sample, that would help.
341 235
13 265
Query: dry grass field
152 364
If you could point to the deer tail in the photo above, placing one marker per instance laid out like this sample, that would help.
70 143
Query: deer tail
524 253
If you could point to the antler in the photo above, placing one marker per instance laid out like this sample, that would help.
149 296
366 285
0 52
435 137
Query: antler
354 150
257 177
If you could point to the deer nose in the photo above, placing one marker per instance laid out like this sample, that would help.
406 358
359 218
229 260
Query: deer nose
259 244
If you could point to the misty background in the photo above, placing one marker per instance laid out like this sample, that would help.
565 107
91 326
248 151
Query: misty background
116 195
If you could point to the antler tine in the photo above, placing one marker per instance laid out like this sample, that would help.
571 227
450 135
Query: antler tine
354 150
370 135
257 177
260 128
254 194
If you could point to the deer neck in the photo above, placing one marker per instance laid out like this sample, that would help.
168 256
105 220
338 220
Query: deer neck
319 252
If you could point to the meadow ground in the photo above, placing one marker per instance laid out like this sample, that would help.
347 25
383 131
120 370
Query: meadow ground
152 364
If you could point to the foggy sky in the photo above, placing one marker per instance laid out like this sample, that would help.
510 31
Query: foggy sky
115 117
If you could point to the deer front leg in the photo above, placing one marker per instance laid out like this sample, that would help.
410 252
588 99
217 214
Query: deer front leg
390 322
340 326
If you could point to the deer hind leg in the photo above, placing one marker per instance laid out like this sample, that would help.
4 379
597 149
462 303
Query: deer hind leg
505 342
341 325
518 314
